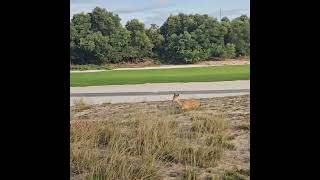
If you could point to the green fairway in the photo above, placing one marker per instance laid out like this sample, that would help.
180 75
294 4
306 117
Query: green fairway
196 74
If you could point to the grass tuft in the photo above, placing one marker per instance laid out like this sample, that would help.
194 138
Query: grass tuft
244 126
80 105
236 174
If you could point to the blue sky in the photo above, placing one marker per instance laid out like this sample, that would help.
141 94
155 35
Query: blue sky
157 11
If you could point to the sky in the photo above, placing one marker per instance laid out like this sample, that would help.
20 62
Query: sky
157 11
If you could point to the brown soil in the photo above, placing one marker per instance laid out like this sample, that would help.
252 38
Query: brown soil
238 61
150 63
145 63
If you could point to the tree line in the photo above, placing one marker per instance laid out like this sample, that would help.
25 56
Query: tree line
98 37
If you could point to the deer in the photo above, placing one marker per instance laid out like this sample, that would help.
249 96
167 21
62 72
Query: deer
185 104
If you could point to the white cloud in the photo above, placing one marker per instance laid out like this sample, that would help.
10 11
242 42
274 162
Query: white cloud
140 9
230 13
163 1
84 1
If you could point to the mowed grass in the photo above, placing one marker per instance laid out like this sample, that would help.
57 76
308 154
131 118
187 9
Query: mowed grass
196 74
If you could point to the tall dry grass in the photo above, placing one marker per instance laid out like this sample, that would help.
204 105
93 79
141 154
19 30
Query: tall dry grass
80 105
138 147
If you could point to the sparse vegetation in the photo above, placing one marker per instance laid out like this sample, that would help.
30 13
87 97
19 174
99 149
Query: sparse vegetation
208 124
80 105
189 174
107 149
141 145
236 174
86 67
110 66
245 126
106 103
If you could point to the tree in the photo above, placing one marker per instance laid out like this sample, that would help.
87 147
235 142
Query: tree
142 45
183 48
156 39
73 36
225 22
135 25
230 50
98 37
97 45
120 43
80 27
105 22
203 37
240 35
225 19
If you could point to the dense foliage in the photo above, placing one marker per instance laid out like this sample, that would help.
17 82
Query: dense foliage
98 37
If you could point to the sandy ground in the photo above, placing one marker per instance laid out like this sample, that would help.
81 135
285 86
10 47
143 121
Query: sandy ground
157 87
236 109
225 62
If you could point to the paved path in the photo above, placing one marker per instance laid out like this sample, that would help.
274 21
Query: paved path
158 91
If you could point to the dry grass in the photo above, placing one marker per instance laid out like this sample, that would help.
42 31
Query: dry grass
236 174
136 148
190 174
244 126
102 150
80 105
121 141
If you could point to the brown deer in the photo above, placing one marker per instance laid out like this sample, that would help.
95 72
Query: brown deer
185 104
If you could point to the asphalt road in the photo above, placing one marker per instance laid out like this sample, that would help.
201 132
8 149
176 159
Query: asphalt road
157 92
